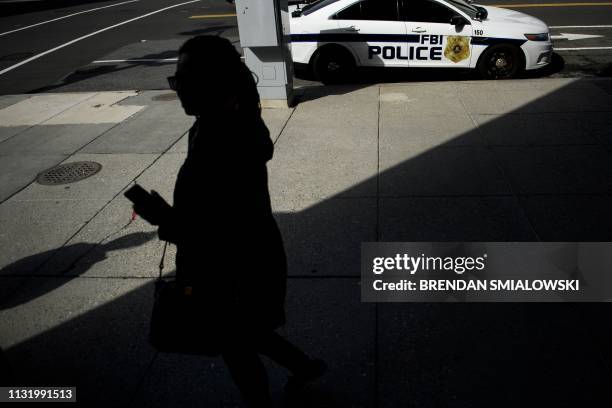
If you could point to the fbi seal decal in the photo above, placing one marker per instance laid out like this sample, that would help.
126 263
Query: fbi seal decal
457 48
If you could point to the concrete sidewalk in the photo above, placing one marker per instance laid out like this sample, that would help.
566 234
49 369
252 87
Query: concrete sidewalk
523 160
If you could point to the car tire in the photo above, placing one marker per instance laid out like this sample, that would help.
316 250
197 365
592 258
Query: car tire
334 65
502 61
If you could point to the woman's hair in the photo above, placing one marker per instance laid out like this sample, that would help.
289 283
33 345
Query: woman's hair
217 58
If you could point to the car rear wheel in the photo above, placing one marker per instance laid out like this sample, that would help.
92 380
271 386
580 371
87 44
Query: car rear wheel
501 61
333 66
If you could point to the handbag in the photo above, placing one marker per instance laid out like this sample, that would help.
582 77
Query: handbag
181 321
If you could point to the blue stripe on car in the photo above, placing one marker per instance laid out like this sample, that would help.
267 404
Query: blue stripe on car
403 38
495 41
352 37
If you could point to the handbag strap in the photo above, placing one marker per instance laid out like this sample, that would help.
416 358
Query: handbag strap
161 261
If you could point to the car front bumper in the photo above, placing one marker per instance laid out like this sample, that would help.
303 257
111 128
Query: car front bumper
538 54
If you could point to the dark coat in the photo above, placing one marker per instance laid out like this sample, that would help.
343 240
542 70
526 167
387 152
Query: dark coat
229 247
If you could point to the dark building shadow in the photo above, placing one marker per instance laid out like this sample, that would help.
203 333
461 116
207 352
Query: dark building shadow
392 355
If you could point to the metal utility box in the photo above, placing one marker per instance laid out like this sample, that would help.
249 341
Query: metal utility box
258 23
263 26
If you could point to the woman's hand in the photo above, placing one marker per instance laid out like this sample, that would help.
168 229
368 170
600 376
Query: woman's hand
156 211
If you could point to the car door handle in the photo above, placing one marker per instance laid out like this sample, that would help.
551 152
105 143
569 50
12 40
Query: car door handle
351 28
418 30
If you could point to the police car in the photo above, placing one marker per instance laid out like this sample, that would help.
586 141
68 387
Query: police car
335 36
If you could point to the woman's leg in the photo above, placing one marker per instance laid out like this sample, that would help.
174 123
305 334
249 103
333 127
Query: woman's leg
250 376
279 349
303 368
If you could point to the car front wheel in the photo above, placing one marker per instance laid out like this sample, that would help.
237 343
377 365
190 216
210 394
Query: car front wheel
501 62
334 66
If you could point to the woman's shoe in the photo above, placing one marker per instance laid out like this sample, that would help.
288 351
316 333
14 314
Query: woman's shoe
315 369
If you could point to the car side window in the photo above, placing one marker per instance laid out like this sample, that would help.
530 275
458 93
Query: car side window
350 13
379 10
385 10
425 11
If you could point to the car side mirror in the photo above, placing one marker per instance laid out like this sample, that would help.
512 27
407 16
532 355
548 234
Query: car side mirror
482 14
457 21
296 13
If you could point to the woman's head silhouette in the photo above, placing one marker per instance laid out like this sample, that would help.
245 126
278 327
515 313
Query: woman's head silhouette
211 78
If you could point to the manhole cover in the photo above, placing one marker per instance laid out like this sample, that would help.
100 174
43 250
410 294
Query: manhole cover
68 173
166 97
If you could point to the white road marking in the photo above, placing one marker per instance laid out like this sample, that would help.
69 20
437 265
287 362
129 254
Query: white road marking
63 17
42 54
582 48
118 61
572 37
583 26
135 60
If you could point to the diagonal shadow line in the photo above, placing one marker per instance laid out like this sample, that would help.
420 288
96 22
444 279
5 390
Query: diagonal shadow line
429 354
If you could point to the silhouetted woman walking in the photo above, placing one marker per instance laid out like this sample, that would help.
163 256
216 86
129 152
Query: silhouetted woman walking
228 243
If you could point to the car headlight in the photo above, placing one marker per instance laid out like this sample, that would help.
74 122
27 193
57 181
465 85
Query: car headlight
537 37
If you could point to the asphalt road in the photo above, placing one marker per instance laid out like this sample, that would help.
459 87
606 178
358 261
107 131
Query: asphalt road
85 45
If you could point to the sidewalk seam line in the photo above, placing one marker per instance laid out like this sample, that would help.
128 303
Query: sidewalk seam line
376 339
284 126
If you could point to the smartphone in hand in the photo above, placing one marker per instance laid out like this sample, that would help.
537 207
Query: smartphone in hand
138 195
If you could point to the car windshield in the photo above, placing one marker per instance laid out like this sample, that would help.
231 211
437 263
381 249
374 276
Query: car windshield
465 7
317 5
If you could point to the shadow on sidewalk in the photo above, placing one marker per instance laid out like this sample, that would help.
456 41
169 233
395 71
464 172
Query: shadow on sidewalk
33 287
528 175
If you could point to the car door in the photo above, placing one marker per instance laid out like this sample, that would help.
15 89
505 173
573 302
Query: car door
371 28
439 43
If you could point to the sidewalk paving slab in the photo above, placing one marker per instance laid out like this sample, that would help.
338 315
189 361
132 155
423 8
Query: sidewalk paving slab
325 239
17 171
442 171
40 108
454 219
33 230
537 129
136 135
341 132
54 139
569 218
557 169
557 96
88 333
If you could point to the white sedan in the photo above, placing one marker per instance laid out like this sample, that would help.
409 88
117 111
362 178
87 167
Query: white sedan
335 36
